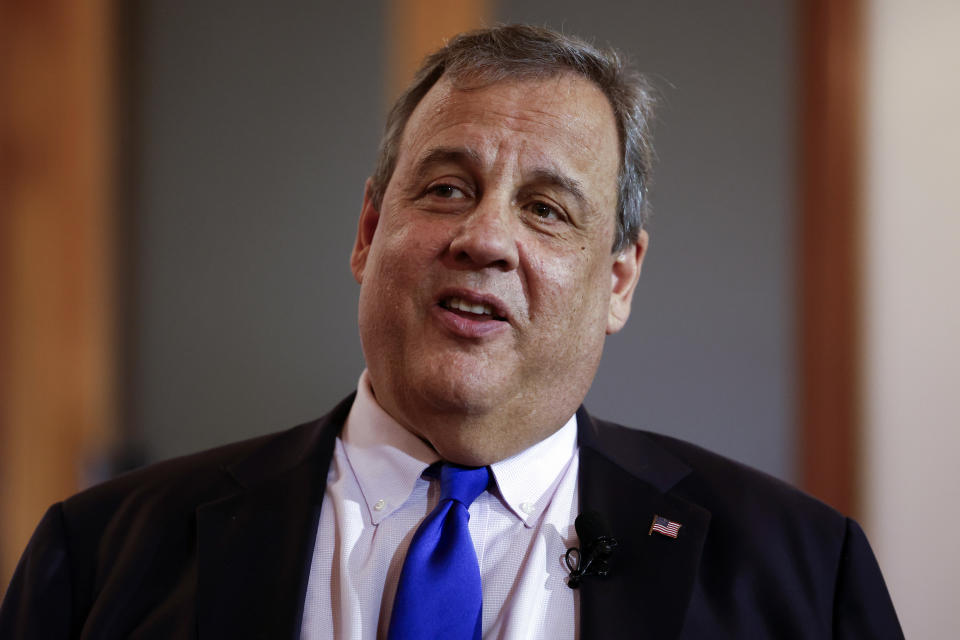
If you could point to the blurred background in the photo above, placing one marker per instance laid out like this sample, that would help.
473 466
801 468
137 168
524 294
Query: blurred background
179 188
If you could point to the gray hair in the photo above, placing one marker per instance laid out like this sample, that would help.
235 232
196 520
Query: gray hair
522 51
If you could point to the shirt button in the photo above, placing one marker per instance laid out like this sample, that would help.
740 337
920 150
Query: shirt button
527 508
379 505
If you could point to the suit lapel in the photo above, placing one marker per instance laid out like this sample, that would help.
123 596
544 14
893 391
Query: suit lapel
255 546
651 575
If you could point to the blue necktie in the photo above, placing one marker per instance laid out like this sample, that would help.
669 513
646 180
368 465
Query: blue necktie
439 594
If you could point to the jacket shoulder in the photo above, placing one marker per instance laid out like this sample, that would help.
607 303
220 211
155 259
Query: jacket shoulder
716 480
752 514
770 549
180 483
185 482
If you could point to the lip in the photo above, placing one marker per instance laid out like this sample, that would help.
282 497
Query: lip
464 326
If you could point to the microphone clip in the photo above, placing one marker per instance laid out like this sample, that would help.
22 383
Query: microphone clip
593 560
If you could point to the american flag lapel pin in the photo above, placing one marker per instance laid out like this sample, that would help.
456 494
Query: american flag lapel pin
665 527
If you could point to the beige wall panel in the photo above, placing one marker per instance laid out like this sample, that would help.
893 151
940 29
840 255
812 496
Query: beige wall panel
912 309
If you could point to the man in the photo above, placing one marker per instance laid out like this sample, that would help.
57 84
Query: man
499 242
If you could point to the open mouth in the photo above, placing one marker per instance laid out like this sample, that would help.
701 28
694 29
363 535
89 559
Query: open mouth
473 310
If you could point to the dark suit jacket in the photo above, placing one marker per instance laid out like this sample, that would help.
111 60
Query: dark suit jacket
219 545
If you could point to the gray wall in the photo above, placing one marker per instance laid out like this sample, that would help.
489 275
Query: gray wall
257 129
258 126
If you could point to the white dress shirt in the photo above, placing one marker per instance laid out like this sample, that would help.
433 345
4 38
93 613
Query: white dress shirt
376 498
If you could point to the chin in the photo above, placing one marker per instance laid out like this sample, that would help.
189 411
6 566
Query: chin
461 382
462 395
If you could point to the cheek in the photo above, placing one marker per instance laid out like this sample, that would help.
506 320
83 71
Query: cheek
399 268
570 298
407 239
393 248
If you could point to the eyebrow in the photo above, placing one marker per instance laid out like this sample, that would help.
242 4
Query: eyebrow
446 155
560 181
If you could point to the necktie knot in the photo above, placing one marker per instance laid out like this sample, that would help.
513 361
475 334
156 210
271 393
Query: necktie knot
463 484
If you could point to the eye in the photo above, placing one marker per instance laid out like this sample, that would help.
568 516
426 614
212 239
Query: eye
446 191
544 211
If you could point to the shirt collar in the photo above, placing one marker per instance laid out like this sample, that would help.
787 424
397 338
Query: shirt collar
387 460
528 480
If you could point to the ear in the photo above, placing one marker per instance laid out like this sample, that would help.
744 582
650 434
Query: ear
626 272
369 217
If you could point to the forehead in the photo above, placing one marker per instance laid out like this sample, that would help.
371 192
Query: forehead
562 120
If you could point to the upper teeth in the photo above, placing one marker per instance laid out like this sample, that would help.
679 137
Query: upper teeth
463 305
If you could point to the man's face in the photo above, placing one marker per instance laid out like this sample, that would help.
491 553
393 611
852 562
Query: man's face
487 280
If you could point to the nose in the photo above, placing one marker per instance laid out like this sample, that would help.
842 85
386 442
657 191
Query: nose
486 237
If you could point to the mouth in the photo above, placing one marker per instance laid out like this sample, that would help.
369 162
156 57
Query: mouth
473 309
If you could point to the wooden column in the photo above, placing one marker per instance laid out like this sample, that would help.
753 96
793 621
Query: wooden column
828 232
417 27
56 256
